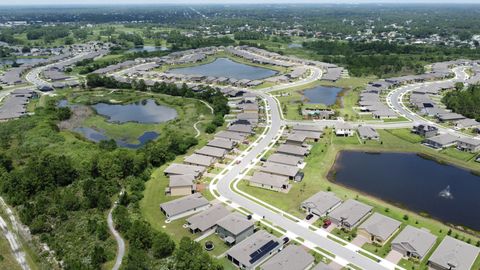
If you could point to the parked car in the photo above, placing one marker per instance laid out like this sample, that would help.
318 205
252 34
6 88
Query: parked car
326 223
309 216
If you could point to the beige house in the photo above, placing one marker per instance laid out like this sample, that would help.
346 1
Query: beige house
181 185
379 228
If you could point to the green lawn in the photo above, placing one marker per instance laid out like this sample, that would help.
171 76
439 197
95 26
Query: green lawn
7 260
220 246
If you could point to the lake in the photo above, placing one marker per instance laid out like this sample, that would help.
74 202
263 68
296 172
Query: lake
6 61
148 49
97 136
321 95
413 182
145 112
224 67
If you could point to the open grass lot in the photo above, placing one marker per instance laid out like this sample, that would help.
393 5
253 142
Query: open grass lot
322 158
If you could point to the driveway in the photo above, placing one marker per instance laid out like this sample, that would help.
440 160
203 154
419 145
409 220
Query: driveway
360 240
394 257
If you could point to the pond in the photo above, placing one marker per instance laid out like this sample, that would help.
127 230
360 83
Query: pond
145 112
97 136
147 48
321 95
224 67
6 61
445 192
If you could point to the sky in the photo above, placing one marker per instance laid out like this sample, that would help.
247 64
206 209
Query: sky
117 2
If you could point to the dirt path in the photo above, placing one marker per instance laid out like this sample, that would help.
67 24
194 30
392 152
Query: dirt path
118 238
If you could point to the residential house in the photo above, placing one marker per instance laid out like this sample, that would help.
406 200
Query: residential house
292 257
466 123
453 254
349 214
207 220
279 169
379 228
285 159
296 139
181 185
253 250
441 141
468 145
293 150
199 160
413 242
368 133
270 181
321 203
344 129
184 206
182 169
212 152
234 228
425 131
222 143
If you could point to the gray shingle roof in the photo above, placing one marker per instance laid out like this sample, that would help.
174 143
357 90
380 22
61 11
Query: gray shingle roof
321 202
280 169
269 179
453 252
351 212
184 204
380 226
290 258
292 150
415 240
285 159
208 218
212 151
235 223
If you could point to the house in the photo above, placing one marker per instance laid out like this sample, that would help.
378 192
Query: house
181 185
292 257
184 206
296 139
468 145
285 159
253 250
309 128
270 181
212 152
349 214
234 228
321 203
368 133
246 129
466 123
441 141
453 254
222 143
384 114
293 150
182 169
379 228
447 117
413 242
425 131
233 136
199 160
207 220
344 129
279 169
309 135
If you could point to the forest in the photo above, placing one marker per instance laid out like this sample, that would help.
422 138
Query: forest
465 102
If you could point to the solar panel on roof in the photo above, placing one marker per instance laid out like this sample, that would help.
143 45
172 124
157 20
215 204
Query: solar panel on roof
262 251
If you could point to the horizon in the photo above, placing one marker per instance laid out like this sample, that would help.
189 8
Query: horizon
35 3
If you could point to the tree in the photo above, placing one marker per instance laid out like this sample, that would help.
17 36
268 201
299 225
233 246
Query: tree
98 257
163 246
210 128
140 235
190 256
63 113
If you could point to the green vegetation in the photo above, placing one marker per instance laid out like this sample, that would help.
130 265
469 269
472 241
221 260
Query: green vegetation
466 102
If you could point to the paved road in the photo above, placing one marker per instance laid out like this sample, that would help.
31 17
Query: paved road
118 238
395 101
223 186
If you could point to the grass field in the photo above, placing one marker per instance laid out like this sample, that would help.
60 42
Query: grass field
7 260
